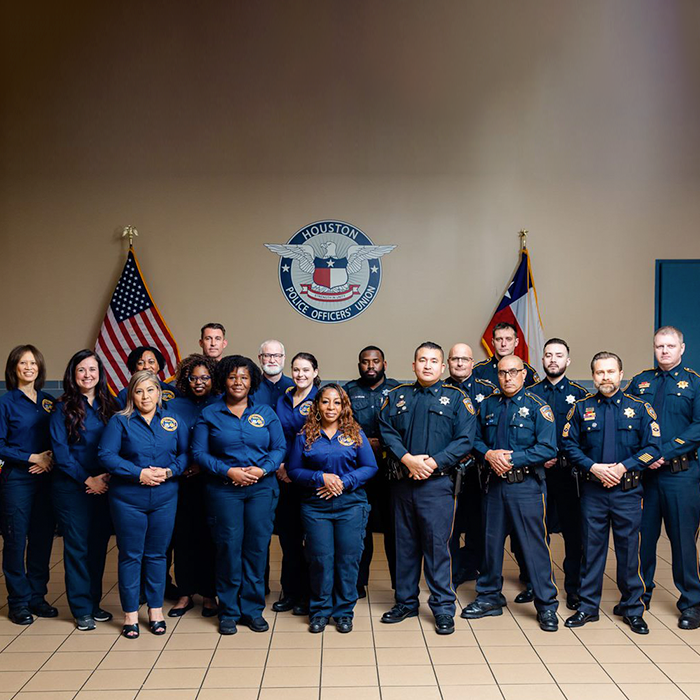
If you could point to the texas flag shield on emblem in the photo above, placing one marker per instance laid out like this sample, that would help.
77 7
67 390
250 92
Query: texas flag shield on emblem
330 272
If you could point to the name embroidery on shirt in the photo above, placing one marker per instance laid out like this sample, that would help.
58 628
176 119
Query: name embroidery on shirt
169 424
345 440
256 420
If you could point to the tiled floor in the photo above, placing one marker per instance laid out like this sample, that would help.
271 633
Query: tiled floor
506 657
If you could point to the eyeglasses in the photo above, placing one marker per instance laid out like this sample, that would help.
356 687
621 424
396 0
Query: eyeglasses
460 359
271 356
198 380
512 373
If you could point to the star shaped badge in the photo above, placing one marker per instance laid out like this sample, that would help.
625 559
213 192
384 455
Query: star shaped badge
479 398
523 411
570 399
385 392
444 400
682 385
629 413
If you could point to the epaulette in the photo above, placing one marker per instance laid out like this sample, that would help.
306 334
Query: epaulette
529 366
483 362
578 386
639 374
692 371
290 388
570 414
485 382
385 403
452 386
537 399
634 398
398 386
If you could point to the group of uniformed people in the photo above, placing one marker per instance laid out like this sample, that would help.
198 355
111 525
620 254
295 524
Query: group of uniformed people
201 472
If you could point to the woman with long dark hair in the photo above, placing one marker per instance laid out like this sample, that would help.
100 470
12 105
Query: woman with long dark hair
26 515
332 460
150 358
293 408
192 545
80 484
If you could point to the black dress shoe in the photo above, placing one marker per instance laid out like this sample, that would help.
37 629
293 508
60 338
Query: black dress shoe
301 609
256 624
617 610
179 612
573 601
636 623
344 624
84 623
43 609
444 624
318 624
480 608
284 604
580 619
549 622
398 614
690 618
526 596
101 615
227 626
21 616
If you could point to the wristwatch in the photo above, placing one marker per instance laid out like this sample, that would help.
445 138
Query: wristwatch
168 473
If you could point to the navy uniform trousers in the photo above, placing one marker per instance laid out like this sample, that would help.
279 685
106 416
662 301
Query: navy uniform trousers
467 560
28 526
143 517
676 498
600 508
335 531
518 508
423 512
87 526
241 519
294 576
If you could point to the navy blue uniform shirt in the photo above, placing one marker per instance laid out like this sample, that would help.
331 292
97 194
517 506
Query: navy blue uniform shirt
77 460
532 432
680 417
488 371
476 389
560 397
293 417
269 393
638 439
24 427
438 420
168 392
339 455
367 402
129 444
189 409
222 440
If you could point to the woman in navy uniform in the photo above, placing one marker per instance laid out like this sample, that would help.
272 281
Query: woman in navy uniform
80 484
150 358
240 445
292 409
192 543
143 447
333 460
26 515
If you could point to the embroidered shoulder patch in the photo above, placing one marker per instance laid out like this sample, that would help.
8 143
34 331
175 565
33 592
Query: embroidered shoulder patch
256 420
570 414
547 414
646 458
305 408
168 423
47 405
468 405
650 411
655 430
565 432
345 440
167 395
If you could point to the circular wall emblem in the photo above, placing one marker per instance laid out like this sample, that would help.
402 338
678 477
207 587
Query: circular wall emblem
330 271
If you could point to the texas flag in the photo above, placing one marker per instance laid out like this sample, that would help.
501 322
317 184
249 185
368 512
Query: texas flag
519 307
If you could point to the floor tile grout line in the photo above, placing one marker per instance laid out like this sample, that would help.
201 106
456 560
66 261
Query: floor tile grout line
206 670
374 641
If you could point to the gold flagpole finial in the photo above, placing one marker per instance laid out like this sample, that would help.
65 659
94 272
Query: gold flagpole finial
523 238
130 232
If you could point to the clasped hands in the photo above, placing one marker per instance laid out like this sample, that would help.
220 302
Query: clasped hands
332 486
419 467
245 476
41 462
97 485
609 474
153 476
499 460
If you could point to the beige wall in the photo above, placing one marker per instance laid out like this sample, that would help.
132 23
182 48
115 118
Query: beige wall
442 127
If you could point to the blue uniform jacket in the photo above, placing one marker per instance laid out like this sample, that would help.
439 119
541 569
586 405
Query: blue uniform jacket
354 464
221 440
188 409
367 402
293 418
638 439
488 371
476 389
129 445
269 393
24 427
438 421
680 420
532 432
78 460
168 392
560 397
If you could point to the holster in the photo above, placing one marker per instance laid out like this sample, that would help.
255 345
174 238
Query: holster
630 480
395 470
681 464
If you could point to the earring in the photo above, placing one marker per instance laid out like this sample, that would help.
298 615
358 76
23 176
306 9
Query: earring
318 416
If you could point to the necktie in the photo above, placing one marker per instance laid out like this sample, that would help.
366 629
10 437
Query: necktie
502 427
660 394
609 430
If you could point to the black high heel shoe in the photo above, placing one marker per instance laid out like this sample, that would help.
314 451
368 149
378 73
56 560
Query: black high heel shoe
157 627
131 631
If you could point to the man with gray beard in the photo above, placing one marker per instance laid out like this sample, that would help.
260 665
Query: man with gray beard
274 383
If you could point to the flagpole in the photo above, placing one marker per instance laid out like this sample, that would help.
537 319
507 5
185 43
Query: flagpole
130 232
523 238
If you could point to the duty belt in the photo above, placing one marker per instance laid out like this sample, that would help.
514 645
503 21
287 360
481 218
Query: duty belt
629 480
681 464
516 475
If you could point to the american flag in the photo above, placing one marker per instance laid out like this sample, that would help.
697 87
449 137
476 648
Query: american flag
133 319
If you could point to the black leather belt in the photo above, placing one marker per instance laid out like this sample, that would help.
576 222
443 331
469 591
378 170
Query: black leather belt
681 464
630 480
516 475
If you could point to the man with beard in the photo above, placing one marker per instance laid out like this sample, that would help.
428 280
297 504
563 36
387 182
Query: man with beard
467 560
366 396
274 383
672 483
213 341
557 390
611 437
504 341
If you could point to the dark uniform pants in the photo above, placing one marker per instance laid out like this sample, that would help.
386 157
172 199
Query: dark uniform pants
87 527
602 508
335 531
519 508
143 518
288 526
193 547
676 499
28 526
423 517
467 560
241 519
